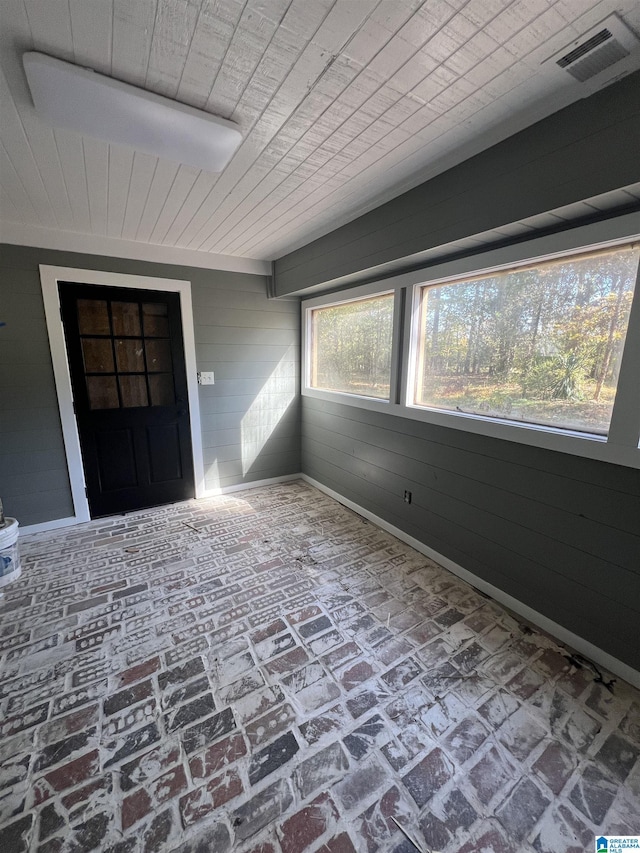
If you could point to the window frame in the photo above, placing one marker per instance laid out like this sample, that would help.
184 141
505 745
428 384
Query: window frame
622 444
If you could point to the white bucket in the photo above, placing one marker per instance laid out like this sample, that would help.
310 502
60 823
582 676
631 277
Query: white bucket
9 554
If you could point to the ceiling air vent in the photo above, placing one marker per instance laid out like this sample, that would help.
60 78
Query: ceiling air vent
597 50
592 57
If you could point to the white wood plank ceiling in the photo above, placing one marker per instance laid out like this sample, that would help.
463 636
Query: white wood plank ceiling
342 105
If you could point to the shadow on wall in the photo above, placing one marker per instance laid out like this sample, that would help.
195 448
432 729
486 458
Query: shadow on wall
263 440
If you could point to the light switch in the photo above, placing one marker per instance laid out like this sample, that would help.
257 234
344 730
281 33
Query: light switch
205 378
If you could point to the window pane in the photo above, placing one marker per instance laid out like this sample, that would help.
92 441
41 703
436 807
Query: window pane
93 317
126 318
158 356
130 355
155 320
161 388
103 392
539 345
97 355
351 347
133 390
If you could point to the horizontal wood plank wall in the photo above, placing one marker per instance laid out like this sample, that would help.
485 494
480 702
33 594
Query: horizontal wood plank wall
558 533
250 417
34 484
588 148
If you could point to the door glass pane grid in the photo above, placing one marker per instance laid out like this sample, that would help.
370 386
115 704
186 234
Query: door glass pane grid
96 340
130 356
125 342
157 346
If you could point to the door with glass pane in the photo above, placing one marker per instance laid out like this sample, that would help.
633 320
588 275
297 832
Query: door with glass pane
126 359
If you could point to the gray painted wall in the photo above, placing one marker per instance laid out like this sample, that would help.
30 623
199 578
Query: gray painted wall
586 149
559 533
34 485
250 417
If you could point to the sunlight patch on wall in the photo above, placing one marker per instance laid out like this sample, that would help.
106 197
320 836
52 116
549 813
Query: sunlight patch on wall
267 410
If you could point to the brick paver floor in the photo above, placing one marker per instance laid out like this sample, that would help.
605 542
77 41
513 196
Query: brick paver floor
270 673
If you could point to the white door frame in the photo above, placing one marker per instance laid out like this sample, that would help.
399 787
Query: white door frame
49 277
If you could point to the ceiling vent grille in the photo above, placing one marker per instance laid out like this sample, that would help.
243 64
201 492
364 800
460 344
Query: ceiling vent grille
599 49
593 56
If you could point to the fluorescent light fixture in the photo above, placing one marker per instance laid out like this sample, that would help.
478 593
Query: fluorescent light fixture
90 103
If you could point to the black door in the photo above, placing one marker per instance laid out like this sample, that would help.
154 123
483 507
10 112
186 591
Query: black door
126 360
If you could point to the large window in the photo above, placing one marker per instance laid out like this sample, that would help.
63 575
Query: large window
537 343
540 344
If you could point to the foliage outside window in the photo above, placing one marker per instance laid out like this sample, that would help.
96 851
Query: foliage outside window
350 348
540 345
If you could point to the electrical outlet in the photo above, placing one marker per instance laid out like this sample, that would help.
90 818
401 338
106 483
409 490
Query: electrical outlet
407 496
205 378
